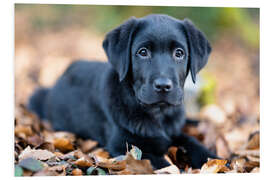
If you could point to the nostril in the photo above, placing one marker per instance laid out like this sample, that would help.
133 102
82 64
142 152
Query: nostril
167 87
158 87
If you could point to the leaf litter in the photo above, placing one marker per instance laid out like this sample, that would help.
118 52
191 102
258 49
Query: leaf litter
61 153
229 126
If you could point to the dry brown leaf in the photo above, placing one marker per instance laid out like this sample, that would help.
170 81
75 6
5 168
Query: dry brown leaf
46 146
238 165
63 144
191 171
35 140
27 173
67 156
100 153
63 134
83 162
35 154
88 145
23 129
253 158
138 166
254 142
249 165
45 172
213 166
79 155
123 172
59 154
77 172
168 170
111 164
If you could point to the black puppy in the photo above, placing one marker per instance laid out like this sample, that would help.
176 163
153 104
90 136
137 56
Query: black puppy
137 98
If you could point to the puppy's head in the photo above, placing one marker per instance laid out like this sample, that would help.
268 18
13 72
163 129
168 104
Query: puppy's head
156 53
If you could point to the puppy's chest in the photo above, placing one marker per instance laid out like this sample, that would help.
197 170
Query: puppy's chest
170 121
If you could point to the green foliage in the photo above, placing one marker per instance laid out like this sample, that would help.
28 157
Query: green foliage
95 171
31 164
207 93
18 171
136 152
214 21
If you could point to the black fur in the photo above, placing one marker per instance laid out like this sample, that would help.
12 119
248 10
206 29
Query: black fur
137 97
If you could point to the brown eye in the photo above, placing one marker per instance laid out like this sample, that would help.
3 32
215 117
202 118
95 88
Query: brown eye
179 54
143 52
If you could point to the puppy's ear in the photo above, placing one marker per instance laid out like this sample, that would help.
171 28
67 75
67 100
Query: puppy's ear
199 48
117 46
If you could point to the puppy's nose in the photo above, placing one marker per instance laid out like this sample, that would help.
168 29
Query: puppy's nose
163 85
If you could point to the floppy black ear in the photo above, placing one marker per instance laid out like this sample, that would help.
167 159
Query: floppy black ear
199 48
117 46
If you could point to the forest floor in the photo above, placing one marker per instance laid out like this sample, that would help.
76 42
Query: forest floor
230 126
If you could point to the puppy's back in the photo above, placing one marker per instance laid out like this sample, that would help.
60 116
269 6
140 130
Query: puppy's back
73 103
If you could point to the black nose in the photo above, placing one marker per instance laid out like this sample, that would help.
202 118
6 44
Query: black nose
163 85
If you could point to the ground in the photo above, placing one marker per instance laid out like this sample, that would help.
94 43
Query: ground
228 124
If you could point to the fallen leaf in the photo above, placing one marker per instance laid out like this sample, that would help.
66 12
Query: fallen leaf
35 140
59 154
238 165
136 152
253 158
112 164
168 170
27 172
63 144
249 165
77 172
80 155
100 153
45 172
88 145
18 171
213 166
46 146
138 166
23 129
95 171
254 141
83 162
31 164
35 154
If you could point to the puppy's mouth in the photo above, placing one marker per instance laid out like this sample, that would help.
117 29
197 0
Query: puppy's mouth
157 104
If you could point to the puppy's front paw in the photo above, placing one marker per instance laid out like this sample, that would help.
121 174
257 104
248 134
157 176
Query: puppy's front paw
197 157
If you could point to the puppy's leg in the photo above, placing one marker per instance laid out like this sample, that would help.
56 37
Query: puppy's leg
197 153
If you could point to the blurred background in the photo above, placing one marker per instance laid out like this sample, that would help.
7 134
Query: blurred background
226 98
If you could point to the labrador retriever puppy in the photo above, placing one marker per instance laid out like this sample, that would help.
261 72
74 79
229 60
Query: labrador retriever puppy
136 98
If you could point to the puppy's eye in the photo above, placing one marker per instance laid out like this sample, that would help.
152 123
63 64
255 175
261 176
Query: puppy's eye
179 54
143 52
